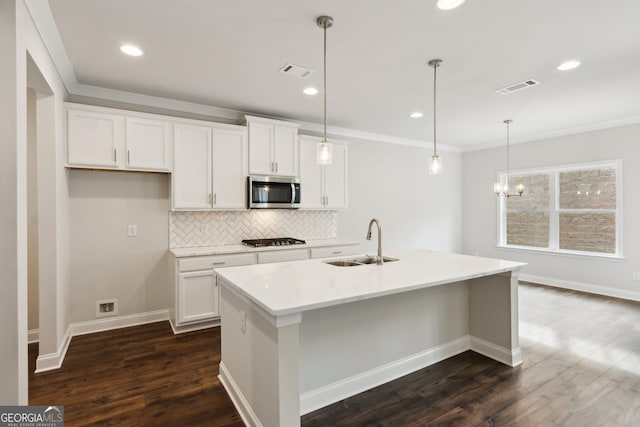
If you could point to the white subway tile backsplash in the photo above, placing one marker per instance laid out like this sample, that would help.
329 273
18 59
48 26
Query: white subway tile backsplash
192 229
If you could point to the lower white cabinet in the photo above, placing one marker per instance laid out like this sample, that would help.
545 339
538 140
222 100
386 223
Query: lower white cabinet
197 296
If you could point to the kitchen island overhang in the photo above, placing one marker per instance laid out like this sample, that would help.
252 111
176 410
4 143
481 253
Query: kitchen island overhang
298 336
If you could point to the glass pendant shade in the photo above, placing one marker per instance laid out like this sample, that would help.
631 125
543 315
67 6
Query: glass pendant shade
324 153
435 166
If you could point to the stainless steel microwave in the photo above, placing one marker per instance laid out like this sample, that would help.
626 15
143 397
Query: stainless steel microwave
273 192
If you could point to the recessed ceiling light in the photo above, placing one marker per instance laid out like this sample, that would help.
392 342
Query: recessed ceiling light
416 115
569 65
310 91
449 4
131 50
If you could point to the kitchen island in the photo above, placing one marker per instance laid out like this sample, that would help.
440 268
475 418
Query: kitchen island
298 336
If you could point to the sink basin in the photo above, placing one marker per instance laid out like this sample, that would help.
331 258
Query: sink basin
343 263
359 261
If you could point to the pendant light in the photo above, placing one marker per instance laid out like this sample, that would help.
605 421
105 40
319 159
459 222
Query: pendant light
435 166
502 188
324 154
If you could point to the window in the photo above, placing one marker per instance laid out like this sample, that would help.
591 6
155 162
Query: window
570 209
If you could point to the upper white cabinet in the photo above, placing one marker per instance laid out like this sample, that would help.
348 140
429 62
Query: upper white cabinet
93 139
148 144
210 166
273 147
105 138
323 187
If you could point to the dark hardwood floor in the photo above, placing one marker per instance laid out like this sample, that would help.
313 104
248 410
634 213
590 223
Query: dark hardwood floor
581 368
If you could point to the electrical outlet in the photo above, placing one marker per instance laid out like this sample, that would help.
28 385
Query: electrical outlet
132 230
243 322
636 275
105 308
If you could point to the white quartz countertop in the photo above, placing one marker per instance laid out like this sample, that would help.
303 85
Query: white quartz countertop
238 249
293 287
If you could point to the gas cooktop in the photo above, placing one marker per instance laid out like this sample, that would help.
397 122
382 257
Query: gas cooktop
280 241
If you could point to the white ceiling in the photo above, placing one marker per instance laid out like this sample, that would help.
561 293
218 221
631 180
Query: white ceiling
227 54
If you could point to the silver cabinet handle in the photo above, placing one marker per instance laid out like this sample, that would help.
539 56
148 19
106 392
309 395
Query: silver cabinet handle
219 263
128 156
115 154
276 167
337 252
209 198
215 198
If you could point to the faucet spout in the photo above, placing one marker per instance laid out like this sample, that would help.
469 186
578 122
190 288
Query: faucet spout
379 259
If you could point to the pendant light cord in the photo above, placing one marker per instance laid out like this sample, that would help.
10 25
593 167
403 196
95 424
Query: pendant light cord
435 71
324 84
508 122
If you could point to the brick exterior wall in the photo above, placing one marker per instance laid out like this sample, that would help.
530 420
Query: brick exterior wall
528 215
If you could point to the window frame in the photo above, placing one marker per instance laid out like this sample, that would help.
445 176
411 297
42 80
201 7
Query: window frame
555 210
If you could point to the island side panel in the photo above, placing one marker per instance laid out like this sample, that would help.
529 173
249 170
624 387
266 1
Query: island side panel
349 348
493 317
259 363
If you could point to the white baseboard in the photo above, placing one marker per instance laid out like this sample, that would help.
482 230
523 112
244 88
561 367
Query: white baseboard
117 322
51 361
33 336
195 327
242 405
508 357
584 287
331 393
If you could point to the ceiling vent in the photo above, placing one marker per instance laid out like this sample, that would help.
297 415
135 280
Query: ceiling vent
517 86
296 71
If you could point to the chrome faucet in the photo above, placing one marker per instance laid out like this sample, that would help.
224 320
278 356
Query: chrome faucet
379 259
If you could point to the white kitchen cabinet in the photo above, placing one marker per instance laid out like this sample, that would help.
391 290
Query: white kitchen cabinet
191 179
148 144
94 138
195 300
334 251
105 138
282 256
323 187
197 296
273 147
210 167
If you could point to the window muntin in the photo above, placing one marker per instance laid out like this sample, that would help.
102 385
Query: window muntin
574 209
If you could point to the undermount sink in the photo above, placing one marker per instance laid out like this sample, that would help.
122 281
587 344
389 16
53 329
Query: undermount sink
359 261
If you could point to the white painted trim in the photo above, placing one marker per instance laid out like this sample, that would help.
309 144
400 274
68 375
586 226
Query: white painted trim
33 336
242 405
107 324
503 355
583 287
51 361
195 327
331 393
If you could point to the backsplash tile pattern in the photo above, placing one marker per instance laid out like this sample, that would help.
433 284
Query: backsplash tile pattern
192 229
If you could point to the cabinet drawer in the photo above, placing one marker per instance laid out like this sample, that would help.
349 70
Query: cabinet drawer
335 251
211 262
280 256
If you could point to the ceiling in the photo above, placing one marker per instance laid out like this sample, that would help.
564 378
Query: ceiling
228 54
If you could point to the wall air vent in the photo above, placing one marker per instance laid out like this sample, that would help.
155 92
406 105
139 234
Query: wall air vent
296 70
518 86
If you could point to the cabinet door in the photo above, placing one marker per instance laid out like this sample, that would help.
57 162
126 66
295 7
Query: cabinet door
311 196
191 178
335 179
229 168
94 139
148 145
260 148
285 150
197 296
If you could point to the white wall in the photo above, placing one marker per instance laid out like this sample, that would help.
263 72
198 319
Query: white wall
19 40
606 276
106 263
391 182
